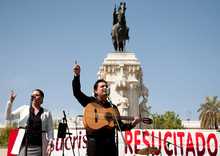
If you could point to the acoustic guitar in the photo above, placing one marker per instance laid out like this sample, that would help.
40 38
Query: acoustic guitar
96 117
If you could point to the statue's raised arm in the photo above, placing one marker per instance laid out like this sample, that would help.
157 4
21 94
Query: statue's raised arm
115 16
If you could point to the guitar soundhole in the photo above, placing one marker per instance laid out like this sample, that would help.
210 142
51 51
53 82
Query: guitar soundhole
96 115
108 116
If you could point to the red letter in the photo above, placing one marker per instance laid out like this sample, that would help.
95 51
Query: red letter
79 139
85 141
66 143
146 133
212 136
159 141
174 142
57 144
128 140
136 140
152 142
167 143
198 143
181 135
74 141
189 144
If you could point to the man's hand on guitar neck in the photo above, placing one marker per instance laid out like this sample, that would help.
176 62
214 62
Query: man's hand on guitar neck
76 70
136 121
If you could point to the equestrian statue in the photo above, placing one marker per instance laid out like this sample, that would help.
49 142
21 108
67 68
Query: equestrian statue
119 29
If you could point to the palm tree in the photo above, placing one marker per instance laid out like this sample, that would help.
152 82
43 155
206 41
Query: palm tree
209 113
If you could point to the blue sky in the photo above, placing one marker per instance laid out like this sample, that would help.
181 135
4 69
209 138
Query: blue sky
177 43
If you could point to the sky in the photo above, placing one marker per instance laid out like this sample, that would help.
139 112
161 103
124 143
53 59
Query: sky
176 42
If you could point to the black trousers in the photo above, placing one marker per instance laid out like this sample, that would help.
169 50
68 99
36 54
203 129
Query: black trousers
101 147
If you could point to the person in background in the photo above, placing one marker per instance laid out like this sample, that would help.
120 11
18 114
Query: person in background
38 124
100 142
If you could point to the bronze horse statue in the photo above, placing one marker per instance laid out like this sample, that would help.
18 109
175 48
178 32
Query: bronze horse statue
119 28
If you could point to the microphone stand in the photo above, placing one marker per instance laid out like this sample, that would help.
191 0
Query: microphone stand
117 123
64 122
63 129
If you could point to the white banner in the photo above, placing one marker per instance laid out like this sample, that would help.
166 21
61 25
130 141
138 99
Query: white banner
72 145
149 141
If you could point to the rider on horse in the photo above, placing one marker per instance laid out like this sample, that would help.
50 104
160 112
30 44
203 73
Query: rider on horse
119 29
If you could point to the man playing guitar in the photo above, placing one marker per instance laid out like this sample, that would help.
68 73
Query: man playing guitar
100 141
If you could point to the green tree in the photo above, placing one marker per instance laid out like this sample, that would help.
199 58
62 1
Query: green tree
209 113
4 134
168 120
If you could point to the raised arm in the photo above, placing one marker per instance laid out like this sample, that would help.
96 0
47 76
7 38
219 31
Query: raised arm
9 115
76 81
76 86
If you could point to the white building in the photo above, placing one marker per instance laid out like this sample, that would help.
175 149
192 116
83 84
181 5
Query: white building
191 124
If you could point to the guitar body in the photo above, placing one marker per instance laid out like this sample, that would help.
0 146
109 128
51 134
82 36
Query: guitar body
96 116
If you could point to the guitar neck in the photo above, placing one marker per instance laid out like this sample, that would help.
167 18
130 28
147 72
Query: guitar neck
126 118
144 120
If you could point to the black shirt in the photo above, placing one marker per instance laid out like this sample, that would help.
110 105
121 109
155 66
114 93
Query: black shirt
83 99
33 135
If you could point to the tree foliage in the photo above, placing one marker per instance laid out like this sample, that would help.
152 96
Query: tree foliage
4 134
168 120
210 113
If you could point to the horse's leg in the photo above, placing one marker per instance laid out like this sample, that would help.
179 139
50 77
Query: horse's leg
124 42
114 37
115 44
121 48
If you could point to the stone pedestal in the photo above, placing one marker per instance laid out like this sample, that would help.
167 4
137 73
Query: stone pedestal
123 73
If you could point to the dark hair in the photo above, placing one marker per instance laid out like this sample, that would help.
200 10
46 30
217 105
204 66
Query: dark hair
96 84
41 93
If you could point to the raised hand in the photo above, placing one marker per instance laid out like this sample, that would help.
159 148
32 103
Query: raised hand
12 96
76 70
